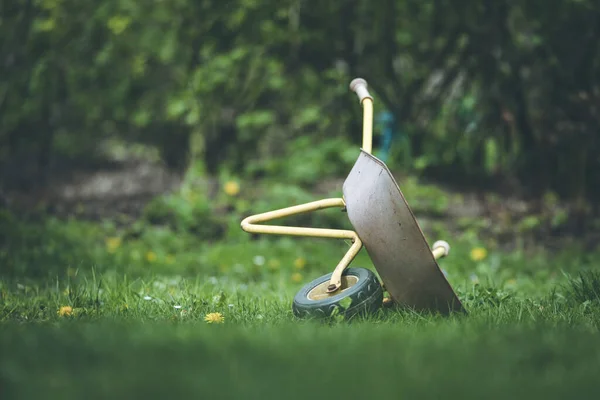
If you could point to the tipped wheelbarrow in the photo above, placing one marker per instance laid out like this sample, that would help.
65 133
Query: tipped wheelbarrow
385 225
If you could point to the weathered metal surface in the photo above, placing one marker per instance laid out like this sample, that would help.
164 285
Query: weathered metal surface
393 239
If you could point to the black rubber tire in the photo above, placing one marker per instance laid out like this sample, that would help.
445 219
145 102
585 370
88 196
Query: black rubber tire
365 296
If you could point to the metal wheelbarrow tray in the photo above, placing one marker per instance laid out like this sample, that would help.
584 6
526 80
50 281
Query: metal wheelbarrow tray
393 239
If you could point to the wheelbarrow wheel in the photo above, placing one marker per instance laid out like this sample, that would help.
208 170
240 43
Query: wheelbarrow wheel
360 293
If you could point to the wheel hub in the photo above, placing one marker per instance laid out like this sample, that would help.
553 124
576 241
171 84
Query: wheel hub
320 292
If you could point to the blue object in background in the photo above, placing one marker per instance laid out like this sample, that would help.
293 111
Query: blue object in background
387 122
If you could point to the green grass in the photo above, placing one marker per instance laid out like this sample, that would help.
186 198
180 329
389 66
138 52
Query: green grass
404 358
137 326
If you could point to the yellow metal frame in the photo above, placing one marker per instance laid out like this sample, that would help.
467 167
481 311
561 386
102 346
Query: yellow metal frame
252 224
367 104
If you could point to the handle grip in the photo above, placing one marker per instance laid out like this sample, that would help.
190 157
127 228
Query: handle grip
359 86
441 248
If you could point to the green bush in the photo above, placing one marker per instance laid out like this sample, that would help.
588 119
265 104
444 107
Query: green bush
494 91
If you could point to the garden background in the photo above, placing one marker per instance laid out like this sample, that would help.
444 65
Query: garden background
135 136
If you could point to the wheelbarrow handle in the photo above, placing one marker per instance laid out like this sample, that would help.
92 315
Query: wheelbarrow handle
441 248
359 86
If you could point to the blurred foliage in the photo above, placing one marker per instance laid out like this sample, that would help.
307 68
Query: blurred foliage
479 91
188 235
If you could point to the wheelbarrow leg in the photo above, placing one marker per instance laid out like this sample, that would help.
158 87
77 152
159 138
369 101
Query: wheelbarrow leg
336 277
253 224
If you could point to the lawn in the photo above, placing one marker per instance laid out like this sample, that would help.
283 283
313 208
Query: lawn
109 310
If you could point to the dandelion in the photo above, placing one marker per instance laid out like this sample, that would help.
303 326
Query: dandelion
478 254
214 318
231 188
113 243
297 277
512 281
299 263
151 256
65 311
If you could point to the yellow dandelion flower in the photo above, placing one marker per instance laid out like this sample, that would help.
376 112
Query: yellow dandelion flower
274 264
512 281
170 259
112 244
231 188
299 263
65 311
297 277
214 318
151 256
478 254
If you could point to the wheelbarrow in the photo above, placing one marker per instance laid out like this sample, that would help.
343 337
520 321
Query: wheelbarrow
385 225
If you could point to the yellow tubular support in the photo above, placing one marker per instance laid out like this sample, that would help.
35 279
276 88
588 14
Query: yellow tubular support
360 87
367 104
251 225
